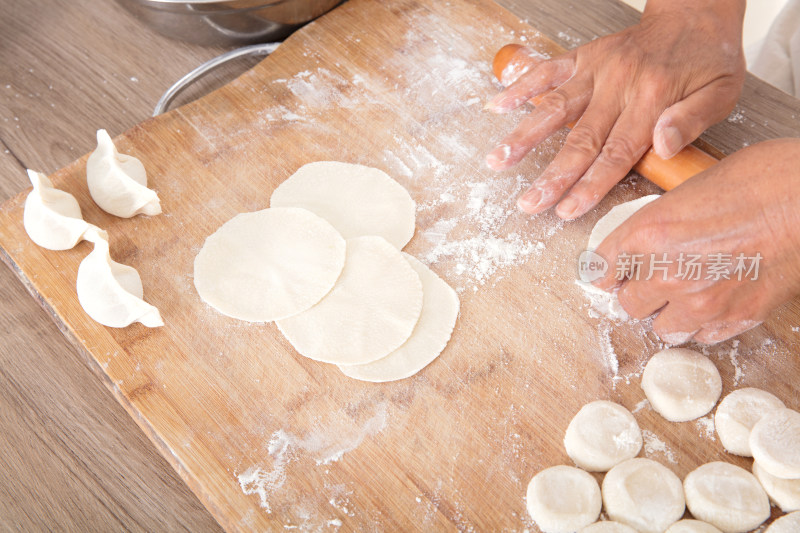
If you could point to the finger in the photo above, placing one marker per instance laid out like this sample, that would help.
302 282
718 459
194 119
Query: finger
684 121
517 60
582 145
559 107
622 268
628 140
624 250
674 326
641 298
721 331
541 78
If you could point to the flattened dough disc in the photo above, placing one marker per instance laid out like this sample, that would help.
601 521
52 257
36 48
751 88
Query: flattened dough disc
439 313
370 312
357 200
614 219
269 264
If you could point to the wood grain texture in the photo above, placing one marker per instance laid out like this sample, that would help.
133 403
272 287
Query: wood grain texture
491 410
71 458
763 112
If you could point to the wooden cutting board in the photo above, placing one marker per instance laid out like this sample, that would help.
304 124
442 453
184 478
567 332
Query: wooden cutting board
272 441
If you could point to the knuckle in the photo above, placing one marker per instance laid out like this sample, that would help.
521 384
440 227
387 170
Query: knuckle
621 151
585 139
556 104
655 85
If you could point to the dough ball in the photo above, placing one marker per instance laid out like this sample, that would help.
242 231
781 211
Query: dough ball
726 496
436 322
681 384
784 492
736 415
369 313
269 264
775 443
691 526
563 499
602 435
607 526
357 200
643 494
789 523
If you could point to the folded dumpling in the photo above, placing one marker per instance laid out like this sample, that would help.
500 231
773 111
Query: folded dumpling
52 217
118 182
109 292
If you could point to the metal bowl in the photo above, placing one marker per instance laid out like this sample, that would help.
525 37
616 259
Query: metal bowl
227 22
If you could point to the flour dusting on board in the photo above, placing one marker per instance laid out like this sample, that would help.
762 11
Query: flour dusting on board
654 445
324 446
706 427
474 241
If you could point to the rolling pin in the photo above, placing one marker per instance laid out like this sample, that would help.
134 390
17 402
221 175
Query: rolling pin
513 60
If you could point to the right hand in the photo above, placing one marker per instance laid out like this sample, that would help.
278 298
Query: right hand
748 204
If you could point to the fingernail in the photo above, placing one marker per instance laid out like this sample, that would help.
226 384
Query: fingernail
501 103
671 142
494 103
566 209
497 158
529 201
675 338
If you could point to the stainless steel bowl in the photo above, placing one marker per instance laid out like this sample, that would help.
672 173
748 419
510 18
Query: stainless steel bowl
227 22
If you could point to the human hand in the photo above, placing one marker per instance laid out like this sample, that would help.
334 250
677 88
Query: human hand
661 82
748 204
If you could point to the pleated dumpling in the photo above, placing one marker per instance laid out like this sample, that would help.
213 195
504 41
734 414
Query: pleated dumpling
52 217
118 182
111 293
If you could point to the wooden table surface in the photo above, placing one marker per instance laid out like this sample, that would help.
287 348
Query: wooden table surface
70 457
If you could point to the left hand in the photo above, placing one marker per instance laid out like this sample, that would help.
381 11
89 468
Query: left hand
661 82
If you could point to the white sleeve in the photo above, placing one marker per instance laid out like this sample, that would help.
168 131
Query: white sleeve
778 61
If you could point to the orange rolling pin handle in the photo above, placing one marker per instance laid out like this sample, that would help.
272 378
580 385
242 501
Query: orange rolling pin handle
666 173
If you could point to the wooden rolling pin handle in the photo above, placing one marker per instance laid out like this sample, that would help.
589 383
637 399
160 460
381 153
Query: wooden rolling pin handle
513 60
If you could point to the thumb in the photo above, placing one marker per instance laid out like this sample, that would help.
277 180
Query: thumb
684 121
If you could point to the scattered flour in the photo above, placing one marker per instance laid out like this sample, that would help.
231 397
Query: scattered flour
572 40
473 242
602 304
738 370
324 446
653 445
257 481
706 427
479 258
321 88
736 116
396 164
641 405
610 355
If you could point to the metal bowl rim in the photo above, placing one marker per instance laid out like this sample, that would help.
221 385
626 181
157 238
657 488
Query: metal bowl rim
223 5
